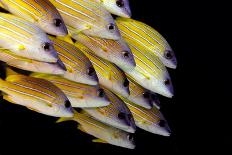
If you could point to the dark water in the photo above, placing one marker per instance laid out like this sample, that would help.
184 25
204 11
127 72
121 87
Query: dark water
193 125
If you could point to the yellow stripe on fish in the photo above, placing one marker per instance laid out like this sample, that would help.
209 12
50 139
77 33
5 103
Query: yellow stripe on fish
115 51
25 39
150 120
148 39
108 74
104 132
117 7
87 16
40 12
149 71
79 67
80 95
37 94
116 114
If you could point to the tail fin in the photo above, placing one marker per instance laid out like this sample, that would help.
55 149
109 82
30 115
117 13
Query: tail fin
63 119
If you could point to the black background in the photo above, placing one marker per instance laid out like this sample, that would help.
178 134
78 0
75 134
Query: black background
200 81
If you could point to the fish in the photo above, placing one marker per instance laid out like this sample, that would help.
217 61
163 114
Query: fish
116 114
29 64
108 74
150 71
36 94
115 51
103 132
151 120
88 17
117 7
40 12
79 67
80 95
148 39
139 95
25 39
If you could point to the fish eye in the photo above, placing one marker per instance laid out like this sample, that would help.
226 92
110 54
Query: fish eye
162 123
126 83
46 46
120 3
130 137
168 54
146 95
111 27
167 82
100 93
121 115
125 54
91 71
57 22
67 104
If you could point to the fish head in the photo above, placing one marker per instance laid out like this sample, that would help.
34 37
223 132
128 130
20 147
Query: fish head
122 56
143 99
64 110
54 23
121 87
96 96
169 58
44 48
106 29
123 139
118 7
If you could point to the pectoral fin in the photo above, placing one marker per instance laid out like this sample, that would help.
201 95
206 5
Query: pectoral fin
99 141
66 38
63 119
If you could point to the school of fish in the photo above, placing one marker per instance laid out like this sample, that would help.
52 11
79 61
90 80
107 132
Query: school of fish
72 60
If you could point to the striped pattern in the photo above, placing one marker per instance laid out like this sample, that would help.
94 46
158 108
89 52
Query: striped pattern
105 70
143 35
72 57
40 12
144 116
70 88
33 88
82 13
16 30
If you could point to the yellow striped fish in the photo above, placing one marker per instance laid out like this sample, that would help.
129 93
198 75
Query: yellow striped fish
108 74
149 71
150 120
148 39
30 65
79 67
25 39
139 95
36 94
116 114
117 7
114 51
105 133
40 12
87 16
80 95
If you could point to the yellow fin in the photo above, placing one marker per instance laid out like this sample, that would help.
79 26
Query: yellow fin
10 71
21 47
86 27
63 119
99 141
66 38
1 5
